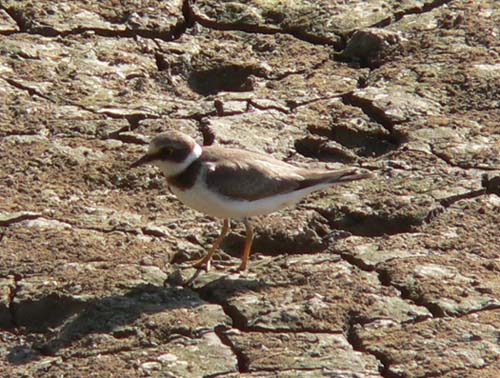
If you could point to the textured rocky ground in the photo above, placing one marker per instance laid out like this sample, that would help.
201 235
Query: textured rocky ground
398 276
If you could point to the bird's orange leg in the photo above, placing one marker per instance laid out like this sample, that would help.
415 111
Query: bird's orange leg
248 246
205 261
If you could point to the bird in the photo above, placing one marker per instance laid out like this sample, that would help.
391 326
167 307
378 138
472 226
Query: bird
233 183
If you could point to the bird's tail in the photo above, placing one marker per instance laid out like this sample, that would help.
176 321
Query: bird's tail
337 177
349 174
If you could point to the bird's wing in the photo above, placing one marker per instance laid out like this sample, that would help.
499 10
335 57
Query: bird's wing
253 176
248 175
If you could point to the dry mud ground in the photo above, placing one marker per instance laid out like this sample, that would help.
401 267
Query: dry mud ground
397 276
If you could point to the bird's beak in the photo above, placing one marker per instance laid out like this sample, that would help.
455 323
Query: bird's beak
143 160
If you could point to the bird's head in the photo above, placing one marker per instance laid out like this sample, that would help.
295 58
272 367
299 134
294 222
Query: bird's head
171 151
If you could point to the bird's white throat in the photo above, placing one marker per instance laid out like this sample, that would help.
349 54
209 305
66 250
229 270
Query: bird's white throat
172 168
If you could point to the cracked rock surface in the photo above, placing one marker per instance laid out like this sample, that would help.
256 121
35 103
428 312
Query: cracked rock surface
397 276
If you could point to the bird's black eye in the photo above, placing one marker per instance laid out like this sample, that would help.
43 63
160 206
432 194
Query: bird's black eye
166 152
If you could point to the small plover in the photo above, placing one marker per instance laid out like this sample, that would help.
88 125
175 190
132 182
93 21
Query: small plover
233 183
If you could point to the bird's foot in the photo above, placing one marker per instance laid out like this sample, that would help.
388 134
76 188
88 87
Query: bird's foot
203 263
242 268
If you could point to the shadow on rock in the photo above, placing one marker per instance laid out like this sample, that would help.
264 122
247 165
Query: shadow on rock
146 313
107 315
